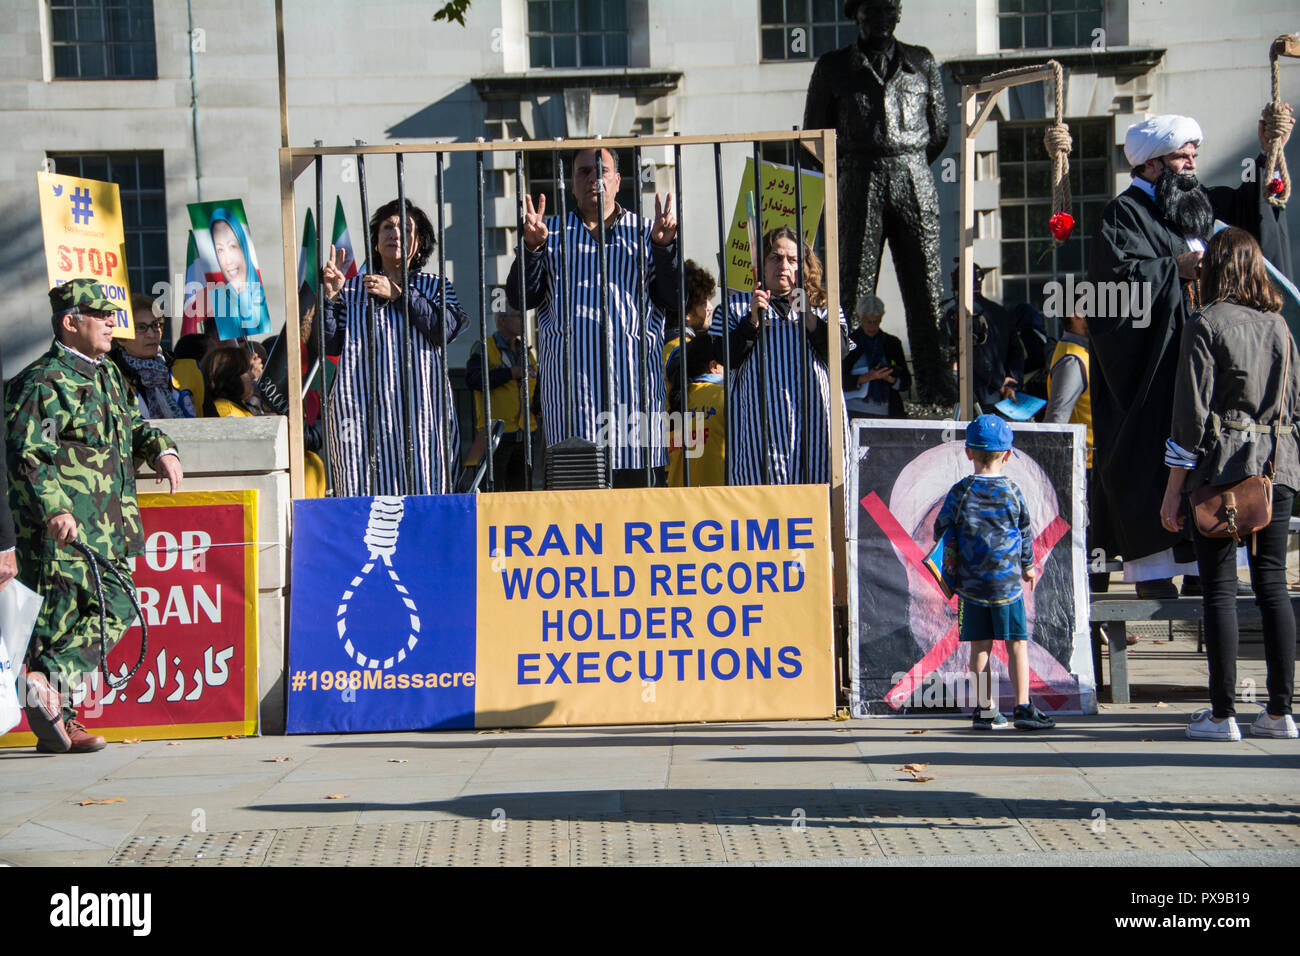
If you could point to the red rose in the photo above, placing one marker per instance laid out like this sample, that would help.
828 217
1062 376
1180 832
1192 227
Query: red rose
1061 225
1276 187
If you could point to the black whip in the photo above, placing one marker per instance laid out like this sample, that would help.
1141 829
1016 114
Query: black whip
95 560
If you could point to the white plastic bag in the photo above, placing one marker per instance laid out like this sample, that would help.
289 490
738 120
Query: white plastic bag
10 712
19 606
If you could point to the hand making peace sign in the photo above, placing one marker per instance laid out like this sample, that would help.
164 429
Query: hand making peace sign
535 231
331 276
664 230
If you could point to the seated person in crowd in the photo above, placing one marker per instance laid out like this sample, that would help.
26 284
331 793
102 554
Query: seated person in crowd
505 349
700 286
874 366
228 386
146 366
706 424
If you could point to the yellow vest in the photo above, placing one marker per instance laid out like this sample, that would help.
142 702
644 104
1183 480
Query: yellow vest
1082 412
505 398
709 468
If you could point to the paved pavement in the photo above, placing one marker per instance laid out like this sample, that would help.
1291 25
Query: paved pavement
1124 787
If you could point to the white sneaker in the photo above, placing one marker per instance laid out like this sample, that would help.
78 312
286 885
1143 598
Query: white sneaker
1204 727
1266 726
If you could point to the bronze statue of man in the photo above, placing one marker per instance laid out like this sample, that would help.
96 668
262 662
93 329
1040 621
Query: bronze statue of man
884 99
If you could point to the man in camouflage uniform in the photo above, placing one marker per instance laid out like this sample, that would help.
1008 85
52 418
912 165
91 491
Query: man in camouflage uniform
73 434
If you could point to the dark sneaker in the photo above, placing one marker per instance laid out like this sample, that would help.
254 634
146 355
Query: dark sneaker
986 720
81 740
44 712
1029 717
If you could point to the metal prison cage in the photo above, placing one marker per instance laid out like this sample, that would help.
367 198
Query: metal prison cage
821 143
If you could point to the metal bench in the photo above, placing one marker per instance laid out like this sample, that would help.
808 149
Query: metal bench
1115 611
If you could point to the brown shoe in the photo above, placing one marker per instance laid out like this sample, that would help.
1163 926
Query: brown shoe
81 740
44 712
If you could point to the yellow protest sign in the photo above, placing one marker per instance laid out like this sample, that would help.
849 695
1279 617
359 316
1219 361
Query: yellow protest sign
778 210
653 606
82 223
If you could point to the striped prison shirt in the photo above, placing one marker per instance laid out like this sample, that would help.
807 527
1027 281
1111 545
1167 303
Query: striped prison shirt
780 359
572 404
423 389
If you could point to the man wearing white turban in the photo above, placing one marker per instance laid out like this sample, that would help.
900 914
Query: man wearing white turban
1153 234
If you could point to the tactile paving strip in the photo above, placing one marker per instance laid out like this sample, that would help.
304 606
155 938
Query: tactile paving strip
883 826
798 833
646 838
948 827
374 844
495 842
236 848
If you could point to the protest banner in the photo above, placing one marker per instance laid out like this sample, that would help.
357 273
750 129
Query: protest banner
234 294
561 608
778 210
904 655
197 587
81 221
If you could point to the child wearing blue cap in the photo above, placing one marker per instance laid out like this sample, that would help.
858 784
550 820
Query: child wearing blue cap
990 552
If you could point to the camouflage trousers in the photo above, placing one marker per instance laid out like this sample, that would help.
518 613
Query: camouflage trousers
65 642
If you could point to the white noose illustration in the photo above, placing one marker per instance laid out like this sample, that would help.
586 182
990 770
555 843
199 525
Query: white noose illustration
381 539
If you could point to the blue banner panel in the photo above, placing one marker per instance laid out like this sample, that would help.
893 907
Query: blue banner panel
382 614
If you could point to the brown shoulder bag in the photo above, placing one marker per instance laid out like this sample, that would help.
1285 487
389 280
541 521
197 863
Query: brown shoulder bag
1243 507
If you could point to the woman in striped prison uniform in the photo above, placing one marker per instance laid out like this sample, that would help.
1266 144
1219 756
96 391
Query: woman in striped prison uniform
422 391
779 358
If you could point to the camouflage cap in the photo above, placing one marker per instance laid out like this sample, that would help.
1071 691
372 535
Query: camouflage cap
81 294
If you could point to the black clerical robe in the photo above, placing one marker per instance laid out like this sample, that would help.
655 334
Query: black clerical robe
1133 367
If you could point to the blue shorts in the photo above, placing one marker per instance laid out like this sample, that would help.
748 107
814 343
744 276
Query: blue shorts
998 622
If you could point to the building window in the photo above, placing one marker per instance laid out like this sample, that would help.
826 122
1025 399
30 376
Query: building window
539 178
1030 257
803 29
139 178
1035 24
577 33
497 241
103 39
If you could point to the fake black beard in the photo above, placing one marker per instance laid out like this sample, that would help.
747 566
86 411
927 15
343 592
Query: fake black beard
1185 203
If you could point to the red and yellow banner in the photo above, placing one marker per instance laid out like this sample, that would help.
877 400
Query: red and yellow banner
197 587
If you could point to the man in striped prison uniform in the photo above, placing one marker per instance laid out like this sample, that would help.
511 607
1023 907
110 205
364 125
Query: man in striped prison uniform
573 399
423 388
779 359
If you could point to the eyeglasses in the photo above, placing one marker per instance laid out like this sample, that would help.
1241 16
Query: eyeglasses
147 328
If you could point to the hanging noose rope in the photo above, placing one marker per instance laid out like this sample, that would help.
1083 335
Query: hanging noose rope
1058 143
95 560
1277 124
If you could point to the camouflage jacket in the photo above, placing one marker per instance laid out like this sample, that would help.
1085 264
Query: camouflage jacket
73 434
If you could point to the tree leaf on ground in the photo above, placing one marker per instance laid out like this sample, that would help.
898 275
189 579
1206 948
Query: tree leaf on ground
335 796
912 767
916 731
276 759
96 803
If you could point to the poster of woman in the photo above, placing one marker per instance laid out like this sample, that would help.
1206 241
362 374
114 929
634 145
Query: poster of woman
233 292
904 656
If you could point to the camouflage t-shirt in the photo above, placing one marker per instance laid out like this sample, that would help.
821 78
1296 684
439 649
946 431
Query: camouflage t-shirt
989 538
